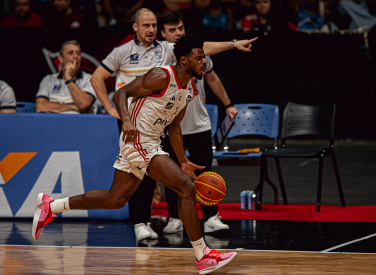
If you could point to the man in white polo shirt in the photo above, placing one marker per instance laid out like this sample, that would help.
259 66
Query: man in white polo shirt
69 91
133 60
8 102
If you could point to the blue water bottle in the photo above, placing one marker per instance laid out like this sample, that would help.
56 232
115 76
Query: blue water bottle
243 200
250 200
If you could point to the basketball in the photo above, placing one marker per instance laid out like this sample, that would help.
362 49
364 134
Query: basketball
210 188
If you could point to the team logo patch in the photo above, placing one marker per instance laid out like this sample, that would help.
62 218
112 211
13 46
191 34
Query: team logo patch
189 98
134 57
158 54
56 88
169 105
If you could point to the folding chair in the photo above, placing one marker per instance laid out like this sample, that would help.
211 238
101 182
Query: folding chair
304 120
252 119
25 107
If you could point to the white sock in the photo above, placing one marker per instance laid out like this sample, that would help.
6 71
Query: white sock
199 247
60 205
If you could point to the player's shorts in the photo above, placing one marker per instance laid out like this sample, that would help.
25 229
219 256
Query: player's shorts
135 157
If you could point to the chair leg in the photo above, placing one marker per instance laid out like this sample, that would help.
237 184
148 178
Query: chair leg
339 184
281 183
319 185
271 184
260 186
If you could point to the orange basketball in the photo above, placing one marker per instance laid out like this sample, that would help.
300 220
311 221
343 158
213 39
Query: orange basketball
210 188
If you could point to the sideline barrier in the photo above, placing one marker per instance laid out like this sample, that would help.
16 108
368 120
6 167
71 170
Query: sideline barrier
61 155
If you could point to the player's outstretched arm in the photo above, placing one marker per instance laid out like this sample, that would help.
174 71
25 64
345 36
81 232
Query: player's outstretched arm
151 83
176 138
211 48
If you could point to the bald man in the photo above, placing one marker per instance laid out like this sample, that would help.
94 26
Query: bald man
131 61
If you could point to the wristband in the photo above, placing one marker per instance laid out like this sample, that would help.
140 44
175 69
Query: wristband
230 105
70 80
233 44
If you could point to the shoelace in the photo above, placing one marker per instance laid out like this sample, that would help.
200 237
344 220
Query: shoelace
215 253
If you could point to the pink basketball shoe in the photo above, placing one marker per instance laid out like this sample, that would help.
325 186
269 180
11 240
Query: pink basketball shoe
42 215
213 260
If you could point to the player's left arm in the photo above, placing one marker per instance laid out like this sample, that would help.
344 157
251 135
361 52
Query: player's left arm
176 138
219 90
211 48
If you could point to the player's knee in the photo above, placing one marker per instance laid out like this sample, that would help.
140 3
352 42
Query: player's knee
189 190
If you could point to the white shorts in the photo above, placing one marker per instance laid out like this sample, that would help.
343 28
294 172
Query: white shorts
135 157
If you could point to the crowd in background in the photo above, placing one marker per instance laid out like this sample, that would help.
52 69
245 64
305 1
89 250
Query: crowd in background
247 15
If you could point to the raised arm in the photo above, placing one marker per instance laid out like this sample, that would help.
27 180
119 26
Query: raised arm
176 138
211 48
151 83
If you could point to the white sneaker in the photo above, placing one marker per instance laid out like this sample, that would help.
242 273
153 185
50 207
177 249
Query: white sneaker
174 225
153 235
141 232
215 224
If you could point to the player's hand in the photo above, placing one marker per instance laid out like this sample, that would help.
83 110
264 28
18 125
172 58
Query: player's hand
232 111
129 132
69 70
189 168
244 45
113 112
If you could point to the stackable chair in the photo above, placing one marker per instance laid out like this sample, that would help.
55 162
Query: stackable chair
252 119
25 107
213 114
304 120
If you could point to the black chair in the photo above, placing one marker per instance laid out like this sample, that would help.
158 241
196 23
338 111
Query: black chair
303 120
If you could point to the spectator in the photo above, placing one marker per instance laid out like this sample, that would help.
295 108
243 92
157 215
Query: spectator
358 12
61 14
176 5
216 18
22 17
123 12
69 91
7 98
309 17
266 18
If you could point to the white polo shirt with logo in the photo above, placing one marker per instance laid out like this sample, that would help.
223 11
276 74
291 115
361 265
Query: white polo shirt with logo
7 97
54 89
133 59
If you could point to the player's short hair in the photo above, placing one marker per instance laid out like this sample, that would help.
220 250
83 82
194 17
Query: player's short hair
186 43
169 18
69 42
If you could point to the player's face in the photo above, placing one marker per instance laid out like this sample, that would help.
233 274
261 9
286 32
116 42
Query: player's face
197 63
173 32
70 54
21 7
146 28
263 6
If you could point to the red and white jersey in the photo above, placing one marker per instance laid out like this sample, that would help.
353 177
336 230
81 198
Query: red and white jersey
151 114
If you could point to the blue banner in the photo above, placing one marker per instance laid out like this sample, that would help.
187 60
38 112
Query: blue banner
58 154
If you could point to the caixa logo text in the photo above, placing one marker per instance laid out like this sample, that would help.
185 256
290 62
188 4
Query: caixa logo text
60 177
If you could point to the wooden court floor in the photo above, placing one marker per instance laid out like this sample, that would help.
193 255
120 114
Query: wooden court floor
77 260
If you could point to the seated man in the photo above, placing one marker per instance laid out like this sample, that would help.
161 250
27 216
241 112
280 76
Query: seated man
69 91
7 98
22 17
60 13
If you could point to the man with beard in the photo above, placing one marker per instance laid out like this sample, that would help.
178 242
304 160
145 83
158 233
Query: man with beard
144 121
131 61
22 16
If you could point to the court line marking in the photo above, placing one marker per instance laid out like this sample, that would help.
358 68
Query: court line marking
175 248
344 244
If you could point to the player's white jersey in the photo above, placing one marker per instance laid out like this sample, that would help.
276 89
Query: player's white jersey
151 114
133 60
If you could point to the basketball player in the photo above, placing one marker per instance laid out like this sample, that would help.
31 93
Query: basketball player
159 100
196 130
130 61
